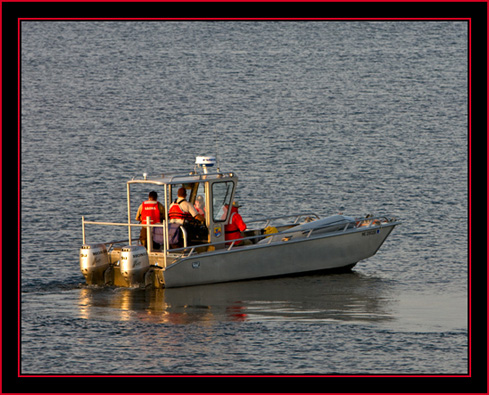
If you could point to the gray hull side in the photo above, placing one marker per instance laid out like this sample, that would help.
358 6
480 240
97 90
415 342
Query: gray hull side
278 259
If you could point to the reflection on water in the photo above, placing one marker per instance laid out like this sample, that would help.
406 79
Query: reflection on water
348 297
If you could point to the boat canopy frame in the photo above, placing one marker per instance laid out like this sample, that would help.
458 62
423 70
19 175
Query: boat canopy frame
167 181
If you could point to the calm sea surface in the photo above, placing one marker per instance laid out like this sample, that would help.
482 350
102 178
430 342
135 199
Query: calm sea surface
352 117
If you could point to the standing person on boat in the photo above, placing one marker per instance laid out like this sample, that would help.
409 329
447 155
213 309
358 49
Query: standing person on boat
153 209
235 226
180 212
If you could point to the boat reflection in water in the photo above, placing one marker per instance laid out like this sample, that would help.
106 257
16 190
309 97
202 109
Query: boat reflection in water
350 297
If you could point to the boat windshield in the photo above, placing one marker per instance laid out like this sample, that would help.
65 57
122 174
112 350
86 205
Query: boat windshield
221 192
174 190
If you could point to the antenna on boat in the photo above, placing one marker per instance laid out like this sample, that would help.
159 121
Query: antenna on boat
218 166
217 150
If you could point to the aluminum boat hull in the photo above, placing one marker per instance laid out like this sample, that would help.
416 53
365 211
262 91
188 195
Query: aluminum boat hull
315 253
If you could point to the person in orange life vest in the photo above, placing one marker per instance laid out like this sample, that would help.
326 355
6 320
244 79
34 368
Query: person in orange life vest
153 209
235 226
179 212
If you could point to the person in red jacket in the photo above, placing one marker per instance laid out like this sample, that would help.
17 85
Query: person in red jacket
235 226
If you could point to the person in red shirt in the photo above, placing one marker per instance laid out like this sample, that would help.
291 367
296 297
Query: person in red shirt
235 226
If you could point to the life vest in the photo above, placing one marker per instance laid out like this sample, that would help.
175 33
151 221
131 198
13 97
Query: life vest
232 229
150 209
176 212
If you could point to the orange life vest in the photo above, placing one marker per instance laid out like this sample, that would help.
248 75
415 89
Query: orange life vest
176 212
150 209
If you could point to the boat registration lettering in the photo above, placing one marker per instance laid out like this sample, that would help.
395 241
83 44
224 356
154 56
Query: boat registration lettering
371 232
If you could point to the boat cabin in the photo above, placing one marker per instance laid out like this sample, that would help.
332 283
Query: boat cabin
211 191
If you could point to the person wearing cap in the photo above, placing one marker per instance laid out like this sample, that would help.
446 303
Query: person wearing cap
235 226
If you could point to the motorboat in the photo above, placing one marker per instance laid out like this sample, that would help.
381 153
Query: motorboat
302 243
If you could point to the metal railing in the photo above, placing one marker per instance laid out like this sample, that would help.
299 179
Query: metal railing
297 217
130 225
359 223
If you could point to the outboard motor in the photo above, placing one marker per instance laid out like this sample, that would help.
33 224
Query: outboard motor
134 263
94 261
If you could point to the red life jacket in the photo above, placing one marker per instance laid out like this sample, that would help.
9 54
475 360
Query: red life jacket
150 209
235 226
176 212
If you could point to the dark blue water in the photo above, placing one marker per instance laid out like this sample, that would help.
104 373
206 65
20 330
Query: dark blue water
352 117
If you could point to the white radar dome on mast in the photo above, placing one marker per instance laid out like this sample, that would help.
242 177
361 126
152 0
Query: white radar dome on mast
205 162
